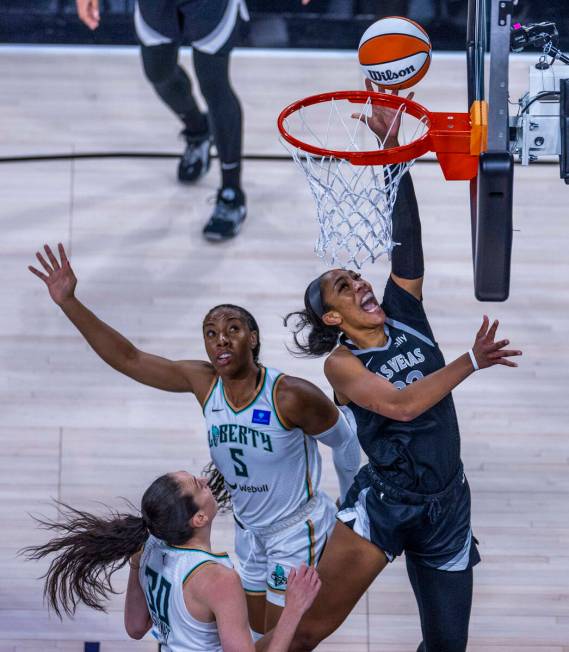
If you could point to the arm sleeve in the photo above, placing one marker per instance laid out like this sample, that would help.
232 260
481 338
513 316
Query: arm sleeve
343 441
407 256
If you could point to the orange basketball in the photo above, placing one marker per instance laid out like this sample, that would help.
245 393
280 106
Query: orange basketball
395 52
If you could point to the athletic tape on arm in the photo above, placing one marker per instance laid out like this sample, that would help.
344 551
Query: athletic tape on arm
343 441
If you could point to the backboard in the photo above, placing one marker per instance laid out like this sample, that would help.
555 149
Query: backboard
488 31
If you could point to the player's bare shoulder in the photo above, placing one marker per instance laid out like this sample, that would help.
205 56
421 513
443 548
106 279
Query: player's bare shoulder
302 404
201 376
337 360
214 580
293 392
339 366
294 386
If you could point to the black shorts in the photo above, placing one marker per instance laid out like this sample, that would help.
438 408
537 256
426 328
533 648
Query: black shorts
432 529
211 26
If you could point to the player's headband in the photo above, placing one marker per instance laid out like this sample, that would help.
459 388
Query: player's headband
315 297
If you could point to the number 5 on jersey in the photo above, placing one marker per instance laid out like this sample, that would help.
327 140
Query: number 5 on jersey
238 464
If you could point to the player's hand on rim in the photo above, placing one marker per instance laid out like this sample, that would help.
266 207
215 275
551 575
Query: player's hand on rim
383 121
489 352
302 588
58 277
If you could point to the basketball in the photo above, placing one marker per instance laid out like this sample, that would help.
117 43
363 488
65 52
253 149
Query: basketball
395 52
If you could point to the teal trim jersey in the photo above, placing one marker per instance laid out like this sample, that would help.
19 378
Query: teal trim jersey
163 571
269 471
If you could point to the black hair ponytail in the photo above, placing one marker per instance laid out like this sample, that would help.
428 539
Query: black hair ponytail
90 549
312 337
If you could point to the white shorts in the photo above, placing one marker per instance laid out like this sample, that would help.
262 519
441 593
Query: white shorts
266 557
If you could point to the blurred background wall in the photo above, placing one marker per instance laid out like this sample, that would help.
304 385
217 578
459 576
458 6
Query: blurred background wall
275 23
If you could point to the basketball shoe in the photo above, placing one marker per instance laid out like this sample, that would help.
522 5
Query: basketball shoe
228 216
196 158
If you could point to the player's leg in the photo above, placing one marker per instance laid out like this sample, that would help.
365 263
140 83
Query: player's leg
252 571
160 62
301 542
212 71
257 610
444 599
440 554
173 85
340 589
272 614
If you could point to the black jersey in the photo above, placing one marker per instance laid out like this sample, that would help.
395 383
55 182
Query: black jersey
421 455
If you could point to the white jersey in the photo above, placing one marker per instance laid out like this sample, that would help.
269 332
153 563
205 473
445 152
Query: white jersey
163 571
270 471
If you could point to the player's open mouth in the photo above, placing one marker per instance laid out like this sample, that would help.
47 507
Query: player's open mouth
223 358
369 303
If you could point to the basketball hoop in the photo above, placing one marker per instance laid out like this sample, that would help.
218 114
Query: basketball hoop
354 173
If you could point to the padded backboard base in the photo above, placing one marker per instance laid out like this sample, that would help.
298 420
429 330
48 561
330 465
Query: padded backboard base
494 227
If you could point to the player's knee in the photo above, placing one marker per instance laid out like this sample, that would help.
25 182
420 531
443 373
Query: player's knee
215 91
157 73
159 68
217 88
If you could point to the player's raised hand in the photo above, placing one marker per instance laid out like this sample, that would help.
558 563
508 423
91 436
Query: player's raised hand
383 121
487 351
58 277
302 588
88 12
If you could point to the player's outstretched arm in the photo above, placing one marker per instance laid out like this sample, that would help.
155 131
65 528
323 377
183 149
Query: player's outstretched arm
407 267
303 405
353 382
115 349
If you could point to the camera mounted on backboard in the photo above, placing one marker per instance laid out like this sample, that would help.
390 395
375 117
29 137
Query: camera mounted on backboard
538 35
541 126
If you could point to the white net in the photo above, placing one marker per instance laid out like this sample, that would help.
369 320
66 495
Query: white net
354 202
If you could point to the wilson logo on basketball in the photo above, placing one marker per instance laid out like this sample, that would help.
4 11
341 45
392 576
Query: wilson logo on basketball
395 52
390 75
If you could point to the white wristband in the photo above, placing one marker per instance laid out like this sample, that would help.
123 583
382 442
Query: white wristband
473 360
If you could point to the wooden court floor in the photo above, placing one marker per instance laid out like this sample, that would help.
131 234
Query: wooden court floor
73 429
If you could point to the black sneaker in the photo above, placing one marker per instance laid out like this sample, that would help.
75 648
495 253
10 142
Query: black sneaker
196 159
228 216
